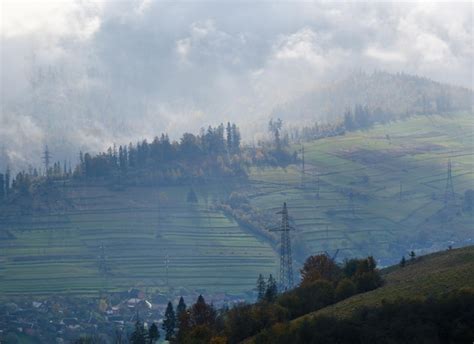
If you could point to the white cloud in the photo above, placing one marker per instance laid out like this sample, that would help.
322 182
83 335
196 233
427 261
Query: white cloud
86 73
385 56
56 18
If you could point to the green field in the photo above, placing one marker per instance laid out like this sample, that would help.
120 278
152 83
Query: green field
373 164
60 250
139 229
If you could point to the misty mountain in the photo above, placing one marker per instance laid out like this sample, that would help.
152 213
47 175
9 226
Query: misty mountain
397 94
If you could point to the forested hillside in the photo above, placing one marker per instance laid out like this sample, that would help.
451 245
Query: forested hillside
428 298
394 95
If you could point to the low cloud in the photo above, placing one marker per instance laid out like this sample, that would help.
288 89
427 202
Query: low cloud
80 75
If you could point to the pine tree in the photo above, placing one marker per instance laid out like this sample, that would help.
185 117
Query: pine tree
235 139
403 262
261 287
169 322
229 137
180 309
153 333
139 336
271 291
202 313
2 187
7 182
412 256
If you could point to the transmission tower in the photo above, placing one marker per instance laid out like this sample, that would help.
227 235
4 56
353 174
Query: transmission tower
102 260
449 191
46 159
401 191
286 260
351 202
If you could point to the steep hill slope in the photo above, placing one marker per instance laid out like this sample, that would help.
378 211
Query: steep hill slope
430 275
422 299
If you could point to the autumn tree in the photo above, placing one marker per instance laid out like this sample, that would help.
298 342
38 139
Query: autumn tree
319 267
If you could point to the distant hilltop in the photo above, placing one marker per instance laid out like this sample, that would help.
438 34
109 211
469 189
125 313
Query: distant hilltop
399 94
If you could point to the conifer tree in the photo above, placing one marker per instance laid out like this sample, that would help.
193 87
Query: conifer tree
180 309
229 137
272 290
261 287
403 262
235 139
169 322
153 333
2 187
139 336
7 182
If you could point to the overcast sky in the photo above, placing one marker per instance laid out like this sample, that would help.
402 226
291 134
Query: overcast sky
84 74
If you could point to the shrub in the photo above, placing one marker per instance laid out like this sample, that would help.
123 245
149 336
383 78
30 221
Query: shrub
345 288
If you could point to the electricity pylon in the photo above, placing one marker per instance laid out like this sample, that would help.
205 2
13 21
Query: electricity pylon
286 259
449 191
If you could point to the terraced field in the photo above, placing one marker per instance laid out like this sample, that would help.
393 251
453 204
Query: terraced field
153 238
396 174
142 237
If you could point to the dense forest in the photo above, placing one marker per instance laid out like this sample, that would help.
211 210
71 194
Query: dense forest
212 154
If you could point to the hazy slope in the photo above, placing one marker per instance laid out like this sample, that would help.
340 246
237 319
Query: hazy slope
398 94
397 175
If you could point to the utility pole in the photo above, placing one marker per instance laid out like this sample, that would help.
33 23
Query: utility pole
449 190
102 260
286 259
302 166
167 262
317 185
351 202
